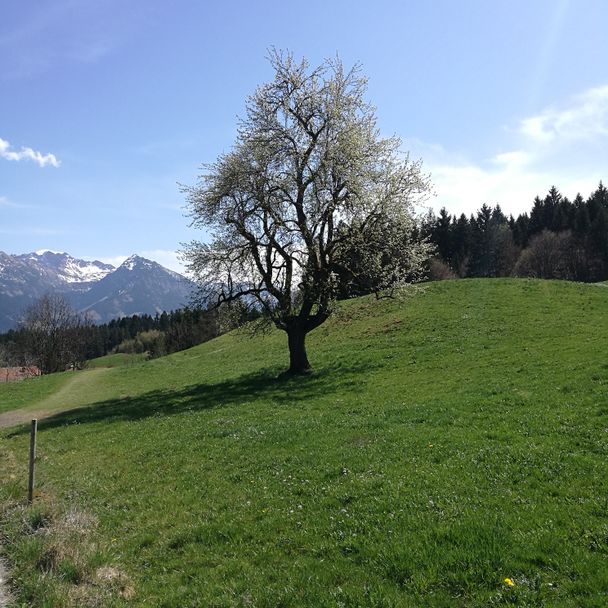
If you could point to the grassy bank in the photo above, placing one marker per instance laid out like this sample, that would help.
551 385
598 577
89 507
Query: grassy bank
444 445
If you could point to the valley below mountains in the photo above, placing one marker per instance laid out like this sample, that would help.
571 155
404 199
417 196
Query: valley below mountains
102 291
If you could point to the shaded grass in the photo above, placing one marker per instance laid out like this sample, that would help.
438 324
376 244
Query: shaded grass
441 447
283 391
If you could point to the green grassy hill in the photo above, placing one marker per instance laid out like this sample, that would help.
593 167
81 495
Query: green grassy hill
449 450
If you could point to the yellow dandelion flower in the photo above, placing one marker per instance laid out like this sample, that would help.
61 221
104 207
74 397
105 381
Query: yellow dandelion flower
509 582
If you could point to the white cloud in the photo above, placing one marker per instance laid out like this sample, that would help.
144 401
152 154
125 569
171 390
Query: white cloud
464 188
565 147
27 154
586 119
115 261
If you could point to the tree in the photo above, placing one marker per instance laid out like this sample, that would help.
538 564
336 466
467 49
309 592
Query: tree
488 228
442 235
537 217
552 202
55 336
308 177
582 221
598 241
379 258
520 230
547 257
4 356
462 242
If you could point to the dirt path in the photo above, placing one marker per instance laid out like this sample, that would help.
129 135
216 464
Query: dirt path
76 393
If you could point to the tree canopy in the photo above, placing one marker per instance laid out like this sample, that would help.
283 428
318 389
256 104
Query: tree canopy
54 334
309 190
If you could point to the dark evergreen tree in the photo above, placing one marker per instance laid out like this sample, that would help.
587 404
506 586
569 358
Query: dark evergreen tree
600 197
442 235
582 221
521 230
483 258
598 244
537 218
550 206
462 239
563 216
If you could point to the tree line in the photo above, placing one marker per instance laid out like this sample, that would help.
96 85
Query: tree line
558 239
54 337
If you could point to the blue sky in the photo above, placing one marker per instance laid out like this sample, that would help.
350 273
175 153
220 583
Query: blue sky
107 105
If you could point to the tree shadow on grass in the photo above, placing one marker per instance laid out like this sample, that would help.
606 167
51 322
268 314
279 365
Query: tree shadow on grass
281 391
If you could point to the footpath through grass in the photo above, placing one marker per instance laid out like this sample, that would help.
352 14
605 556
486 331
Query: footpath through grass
41 399
16 395
450 450
63 390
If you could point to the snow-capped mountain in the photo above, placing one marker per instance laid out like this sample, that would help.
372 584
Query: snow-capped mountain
137 286
70 269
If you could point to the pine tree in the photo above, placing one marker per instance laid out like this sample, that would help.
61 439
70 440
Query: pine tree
521 229
598 238
442 235
582 221
563 216
551 204
461 243
537 218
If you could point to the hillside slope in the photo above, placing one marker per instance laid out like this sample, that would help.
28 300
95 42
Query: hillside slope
450 450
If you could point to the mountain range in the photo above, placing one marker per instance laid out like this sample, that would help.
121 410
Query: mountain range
102 291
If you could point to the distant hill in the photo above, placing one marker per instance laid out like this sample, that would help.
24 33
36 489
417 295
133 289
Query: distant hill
137 286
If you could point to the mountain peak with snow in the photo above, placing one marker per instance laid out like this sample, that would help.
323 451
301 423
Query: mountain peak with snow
135 261
137 286
70 269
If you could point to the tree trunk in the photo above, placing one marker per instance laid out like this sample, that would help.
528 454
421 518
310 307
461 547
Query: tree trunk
298 361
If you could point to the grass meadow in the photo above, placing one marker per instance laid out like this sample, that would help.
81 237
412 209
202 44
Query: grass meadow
451 449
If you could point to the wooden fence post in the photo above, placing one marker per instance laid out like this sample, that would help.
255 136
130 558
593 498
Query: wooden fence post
30 485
